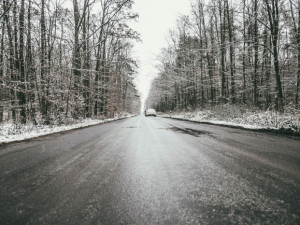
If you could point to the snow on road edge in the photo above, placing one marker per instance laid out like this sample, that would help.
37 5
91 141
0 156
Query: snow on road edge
268 120
10 132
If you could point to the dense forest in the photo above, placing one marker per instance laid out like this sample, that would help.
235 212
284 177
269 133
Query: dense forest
62 60
244 52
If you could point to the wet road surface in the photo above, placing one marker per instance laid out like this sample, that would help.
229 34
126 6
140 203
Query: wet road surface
151 171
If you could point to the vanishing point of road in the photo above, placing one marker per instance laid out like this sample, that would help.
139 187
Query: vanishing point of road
151 171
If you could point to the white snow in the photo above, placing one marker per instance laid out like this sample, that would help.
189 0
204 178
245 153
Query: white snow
243 117
10 132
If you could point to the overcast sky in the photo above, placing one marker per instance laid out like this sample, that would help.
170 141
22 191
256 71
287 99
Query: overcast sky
156 18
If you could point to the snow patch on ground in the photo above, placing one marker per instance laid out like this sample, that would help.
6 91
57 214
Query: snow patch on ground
10 132
243 117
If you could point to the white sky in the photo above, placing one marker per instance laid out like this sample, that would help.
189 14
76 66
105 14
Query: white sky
156 18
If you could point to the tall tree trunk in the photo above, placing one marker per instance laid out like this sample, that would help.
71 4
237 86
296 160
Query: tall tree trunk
86 63
213 62
76 57
76 49
101 106
43 89
244 54
21 93
11 58
222 46
298 72
16 78
231 54
98 61
2 88
255 75
273 13
30 74
210 72
15 35
266 69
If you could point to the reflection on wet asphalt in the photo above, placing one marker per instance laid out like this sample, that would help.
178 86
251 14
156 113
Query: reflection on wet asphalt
151 171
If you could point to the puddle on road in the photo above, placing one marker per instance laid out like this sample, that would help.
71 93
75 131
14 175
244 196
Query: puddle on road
195 133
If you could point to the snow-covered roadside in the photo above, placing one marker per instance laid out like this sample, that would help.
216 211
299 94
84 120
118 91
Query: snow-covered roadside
10 132
289 122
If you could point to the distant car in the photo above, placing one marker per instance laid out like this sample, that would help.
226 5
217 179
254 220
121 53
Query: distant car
150 112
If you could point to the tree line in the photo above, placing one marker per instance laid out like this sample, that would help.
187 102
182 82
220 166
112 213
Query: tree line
239 52
60 61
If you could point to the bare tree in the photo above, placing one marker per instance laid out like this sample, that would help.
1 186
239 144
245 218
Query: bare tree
246 54
273 14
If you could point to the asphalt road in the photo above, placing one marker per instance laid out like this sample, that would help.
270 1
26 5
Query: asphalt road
151 171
